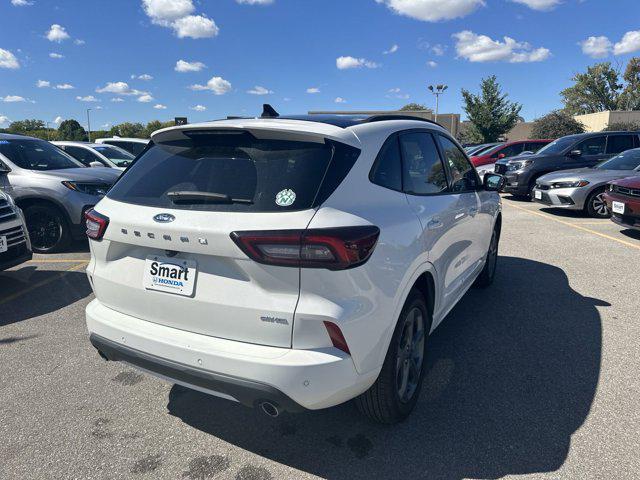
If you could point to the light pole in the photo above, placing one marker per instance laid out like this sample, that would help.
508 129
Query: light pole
48 131
437 90
89 124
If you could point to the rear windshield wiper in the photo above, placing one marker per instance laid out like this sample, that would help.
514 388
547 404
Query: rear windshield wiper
194 198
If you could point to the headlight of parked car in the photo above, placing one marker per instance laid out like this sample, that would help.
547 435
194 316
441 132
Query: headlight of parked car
514 166
96 189
579 183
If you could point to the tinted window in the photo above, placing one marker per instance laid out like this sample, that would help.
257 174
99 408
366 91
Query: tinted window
37 155
387 170
234 172
117 155
510 151
619 143
423 171
559 145
592 146
629 160
134 148
534 146
464 177
82 154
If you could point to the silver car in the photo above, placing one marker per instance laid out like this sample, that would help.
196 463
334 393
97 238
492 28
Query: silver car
15 247
583 188
52 188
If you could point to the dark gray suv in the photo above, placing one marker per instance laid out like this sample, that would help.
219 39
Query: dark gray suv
570 152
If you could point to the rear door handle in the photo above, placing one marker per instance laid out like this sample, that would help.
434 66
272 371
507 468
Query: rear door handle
473 211
459 215
434 223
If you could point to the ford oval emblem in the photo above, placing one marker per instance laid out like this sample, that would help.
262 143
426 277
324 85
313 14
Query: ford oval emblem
164 218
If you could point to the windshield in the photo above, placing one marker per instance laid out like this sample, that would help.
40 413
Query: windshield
235 172
37 155
629 160
558 146
120 157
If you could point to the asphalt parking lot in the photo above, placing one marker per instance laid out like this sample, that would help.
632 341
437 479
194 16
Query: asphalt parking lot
535 376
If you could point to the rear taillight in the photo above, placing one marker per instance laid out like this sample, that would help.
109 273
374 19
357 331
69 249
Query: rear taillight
331 248
96 224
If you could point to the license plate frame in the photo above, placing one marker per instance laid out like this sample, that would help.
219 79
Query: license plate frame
537 194
4 246
618 207
170 275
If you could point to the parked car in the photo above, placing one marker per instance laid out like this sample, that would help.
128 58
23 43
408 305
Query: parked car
507 150
583 188
291 263
623 199
566 153
52 188
15 247
135 146
97 154
477 149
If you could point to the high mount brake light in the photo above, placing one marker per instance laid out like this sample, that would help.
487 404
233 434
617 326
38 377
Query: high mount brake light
331 248
96 224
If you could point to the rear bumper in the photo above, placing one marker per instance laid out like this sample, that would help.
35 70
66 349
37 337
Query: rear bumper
294 380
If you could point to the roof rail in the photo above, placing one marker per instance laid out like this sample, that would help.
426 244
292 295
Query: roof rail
382 118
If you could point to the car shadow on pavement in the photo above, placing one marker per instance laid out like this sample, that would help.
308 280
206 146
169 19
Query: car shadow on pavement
512 375
28 292
635 234
563 212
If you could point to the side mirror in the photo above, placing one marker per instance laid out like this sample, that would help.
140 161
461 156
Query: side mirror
95 164
575 153
501 156
493 182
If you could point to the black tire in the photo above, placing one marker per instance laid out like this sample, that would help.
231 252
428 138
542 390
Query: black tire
386 401
488 273
48 229
596 206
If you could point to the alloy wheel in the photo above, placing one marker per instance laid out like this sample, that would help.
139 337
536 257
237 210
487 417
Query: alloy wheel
410 355
599 205
45 231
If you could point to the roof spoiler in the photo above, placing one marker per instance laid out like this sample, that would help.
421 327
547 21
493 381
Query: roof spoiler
269 112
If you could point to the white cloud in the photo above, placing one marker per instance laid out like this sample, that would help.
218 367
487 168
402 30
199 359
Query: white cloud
145 77
163 11
217 85
397 93
57 33
4 120
64 86
596 47
58 120
159 106
481 48
344 63
79 41
313 90
178 15
630 43
88 98
258 90
117 100
393 49
433 10
120 88
195 26
146 98
432 64
98 107
55 55
21 3
340 100
539 4
255 2
43 84
439 49
183 66
198 108
8 59
13 99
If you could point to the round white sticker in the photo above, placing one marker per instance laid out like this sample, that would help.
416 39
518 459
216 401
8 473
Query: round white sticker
285 198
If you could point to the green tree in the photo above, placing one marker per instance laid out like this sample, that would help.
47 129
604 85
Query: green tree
409 107
128 129
623 127
630 97
154 125
468 134
491 113
597 89
26 126
555 125
71 130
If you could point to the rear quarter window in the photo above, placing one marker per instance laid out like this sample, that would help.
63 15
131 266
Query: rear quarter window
235 172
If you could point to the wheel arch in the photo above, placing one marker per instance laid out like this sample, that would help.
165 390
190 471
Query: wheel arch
26 202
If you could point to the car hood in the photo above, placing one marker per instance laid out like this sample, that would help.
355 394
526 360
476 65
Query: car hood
629 182
593 175
534 157
93 174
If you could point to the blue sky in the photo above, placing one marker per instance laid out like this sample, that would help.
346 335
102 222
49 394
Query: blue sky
285 49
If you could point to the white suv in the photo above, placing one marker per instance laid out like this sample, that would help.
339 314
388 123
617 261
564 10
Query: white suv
290 263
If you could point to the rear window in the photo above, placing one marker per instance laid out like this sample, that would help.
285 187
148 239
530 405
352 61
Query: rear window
235 172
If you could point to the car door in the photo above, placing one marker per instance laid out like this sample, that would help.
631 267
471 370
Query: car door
592 151
426 184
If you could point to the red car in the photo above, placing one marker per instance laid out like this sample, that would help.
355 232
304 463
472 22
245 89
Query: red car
623 199
510 149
